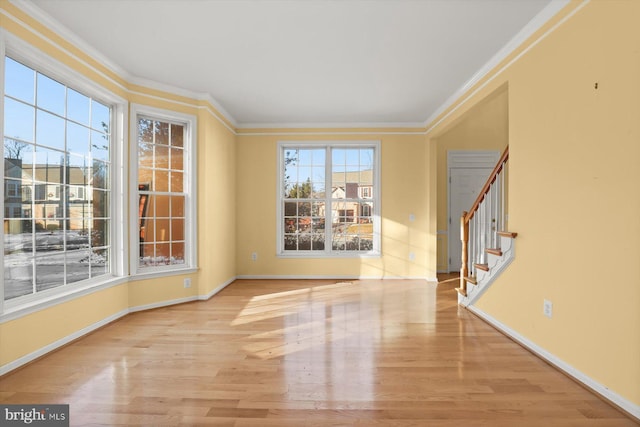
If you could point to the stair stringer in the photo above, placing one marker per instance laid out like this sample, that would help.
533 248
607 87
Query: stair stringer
485 278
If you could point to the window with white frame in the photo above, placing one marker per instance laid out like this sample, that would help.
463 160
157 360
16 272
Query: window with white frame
57 139
323 209
164 190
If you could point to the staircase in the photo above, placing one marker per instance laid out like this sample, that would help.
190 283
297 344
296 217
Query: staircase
487 246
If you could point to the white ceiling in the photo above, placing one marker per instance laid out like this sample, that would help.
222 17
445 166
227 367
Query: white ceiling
303 62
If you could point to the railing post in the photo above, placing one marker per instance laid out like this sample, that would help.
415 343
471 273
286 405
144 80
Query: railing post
464 237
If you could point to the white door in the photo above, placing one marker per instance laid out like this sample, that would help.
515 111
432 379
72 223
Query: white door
464 186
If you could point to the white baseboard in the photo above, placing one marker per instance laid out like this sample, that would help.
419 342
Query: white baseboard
629 407
162 304
296 277
216 290
59 343
333 277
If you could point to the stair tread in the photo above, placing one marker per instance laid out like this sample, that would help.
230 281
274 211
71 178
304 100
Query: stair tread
483 267
461 292
507 234
471 279
494 251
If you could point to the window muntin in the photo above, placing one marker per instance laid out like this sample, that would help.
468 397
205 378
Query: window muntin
162 193
56 140
328 204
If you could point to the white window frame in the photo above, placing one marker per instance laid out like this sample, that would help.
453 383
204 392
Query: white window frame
328 252
190 181
30 56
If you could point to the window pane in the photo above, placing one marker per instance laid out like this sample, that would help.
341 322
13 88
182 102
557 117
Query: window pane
147 255
176 159
99 262
49 271
78 107
317 243
18 276
161 157
145 131
177 253
177 206
100 116
148 230
50 95
145 154
163 254
162 206
177 135
77 266
100 174
290 242
77 139
17 237
19 120
147 205
177 229
19 81
100 233
51 238
177 183
304 242
162 230
49 166
100 146
161 180
100 205
290 208
76 239
161 133
78 167
50 130
145 177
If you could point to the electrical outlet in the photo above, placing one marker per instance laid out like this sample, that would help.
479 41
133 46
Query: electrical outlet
412 256
254 256
187 283
412 217
547 308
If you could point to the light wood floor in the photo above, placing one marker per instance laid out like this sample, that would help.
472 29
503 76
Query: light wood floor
308 353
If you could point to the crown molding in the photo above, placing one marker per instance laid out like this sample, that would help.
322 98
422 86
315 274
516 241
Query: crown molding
455 100
333 125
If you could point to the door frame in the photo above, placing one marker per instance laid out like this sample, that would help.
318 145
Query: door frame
464 159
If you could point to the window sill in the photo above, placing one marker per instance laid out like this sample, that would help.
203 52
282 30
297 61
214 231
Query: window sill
153 273
322 255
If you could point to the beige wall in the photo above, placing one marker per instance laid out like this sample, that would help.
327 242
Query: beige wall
573 194
404 192
216 204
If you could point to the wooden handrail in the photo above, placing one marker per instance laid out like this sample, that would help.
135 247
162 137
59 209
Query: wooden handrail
466 218
487 185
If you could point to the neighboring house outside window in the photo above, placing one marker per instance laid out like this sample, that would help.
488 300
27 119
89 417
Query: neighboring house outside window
329 200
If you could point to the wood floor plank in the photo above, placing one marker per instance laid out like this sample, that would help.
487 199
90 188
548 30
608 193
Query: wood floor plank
308 353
